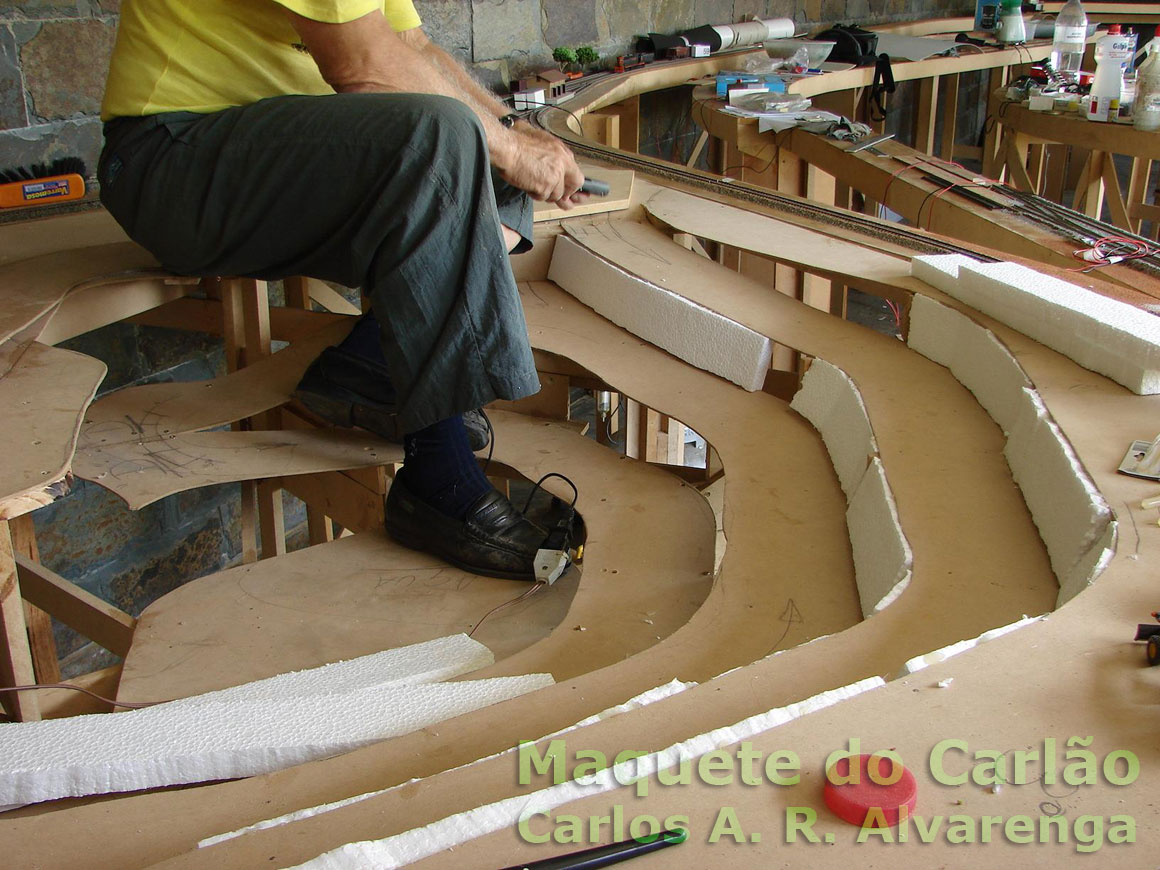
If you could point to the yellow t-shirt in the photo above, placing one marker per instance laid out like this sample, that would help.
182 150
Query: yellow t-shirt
206 55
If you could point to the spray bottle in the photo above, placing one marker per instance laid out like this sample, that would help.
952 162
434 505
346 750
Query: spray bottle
1147 113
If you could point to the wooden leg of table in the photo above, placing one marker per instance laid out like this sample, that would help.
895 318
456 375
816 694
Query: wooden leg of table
45 659
16 668
633 411
298 296
1013 158
1113 195
270 518
996 79
1056 172
926 112
950 114
1089 190
1036 161
1138 189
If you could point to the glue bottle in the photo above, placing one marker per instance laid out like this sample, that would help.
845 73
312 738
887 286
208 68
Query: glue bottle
1113 54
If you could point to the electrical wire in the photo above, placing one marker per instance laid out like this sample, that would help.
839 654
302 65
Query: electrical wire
1110 250
126 704
538 485
536 588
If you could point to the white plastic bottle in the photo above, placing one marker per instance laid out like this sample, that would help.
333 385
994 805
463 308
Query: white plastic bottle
1147 112
1113 54
1068 41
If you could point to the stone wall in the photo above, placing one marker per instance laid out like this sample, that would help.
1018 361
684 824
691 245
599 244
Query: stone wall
54 54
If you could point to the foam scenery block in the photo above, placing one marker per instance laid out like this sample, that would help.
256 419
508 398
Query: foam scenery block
454 831
1068 510
243 731
689 331
831 402
1103 335
882 555
974 355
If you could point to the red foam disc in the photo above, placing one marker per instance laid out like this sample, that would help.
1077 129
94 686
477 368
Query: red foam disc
852 801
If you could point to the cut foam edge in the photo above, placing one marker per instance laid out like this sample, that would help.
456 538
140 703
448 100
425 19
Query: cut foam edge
830 400
456 830
668 690
1075 522
1103 335
691 332
427 662
882 555
974 355
171 744
918 663
1089 566
1067 508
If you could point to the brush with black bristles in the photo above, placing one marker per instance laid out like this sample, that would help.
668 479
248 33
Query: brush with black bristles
59 181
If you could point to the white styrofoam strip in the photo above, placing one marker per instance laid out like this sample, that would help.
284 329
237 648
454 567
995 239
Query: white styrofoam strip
882 555
419 843
1089 566
1074 520
1065 504
668 690
697 335
918 663
178 743
428 662
974 355
939 270
830 400
1104 335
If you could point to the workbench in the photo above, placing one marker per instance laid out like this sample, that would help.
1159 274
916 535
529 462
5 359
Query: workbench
1027 160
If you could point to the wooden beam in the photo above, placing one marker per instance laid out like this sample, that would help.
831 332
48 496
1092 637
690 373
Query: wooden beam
93 617
348 503
926 113
16 667
1113 195
205 315
41 642
950 114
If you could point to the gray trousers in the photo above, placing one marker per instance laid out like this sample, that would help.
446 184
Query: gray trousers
389 192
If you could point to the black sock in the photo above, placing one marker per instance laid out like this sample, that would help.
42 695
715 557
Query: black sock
440 469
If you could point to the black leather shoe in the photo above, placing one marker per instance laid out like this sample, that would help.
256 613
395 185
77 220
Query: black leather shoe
494 540
348 390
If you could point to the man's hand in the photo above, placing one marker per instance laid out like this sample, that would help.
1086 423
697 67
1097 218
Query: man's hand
367 55
542 165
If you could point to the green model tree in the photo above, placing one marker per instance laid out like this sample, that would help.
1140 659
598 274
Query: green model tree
586 56
565 57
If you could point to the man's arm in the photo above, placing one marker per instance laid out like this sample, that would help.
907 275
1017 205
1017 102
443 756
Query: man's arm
366 55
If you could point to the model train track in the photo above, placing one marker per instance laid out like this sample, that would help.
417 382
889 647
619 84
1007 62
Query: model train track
839 219
1059 219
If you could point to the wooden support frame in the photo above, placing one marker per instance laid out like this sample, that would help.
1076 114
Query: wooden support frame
16 667
93 617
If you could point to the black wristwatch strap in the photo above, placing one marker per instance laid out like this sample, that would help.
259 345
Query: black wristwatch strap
509 121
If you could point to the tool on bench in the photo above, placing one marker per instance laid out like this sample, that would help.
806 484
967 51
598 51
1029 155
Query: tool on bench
868 144
596 187
603 856
59 181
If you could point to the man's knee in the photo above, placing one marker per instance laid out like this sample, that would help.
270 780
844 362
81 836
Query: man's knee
448 115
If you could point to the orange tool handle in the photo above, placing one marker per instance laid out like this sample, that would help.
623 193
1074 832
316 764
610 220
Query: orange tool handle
55 188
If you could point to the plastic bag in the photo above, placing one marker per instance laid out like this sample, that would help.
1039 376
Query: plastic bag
773 102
